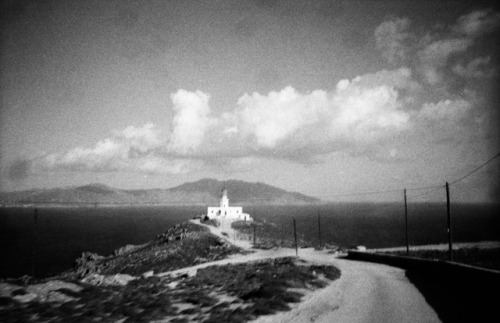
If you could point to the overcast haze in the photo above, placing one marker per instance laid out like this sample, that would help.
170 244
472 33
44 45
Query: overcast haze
319 97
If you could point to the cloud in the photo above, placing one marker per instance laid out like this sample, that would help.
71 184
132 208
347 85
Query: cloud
143 139
357 111
132 149
445 110
477 23
190 122
435 56
280 124
433 52
367 111
274 117
362 115
447 121
390 37
400 78
476 68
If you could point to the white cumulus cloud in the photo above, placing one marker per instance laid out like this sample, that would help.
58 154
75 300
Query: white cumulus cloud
364 113
360 110
277 116
130 149
445 110
352 116
190 122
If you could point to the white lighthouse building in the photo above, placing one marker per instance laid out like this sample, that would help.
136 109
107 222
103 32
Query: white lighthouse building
224 211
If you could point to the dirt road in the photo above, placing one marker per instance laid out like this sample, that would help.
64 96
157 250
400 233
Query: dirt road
366 292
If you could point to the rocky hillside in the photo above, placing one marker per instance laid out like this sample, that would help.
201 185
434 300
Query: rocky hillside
134 284
183 245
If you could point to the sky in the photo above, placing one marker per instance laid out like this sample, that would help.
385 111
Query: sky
326 98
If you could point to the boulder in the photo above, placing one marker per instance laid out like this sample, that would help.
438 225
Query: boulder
88 264
148 274
112 280
124 250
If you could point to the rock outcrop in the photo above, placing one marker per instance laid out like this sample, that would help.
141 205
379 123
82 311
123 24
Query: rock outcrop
182 245
88 264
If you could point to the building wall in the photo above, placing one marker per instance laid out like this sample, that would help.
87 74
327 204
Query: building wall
233 212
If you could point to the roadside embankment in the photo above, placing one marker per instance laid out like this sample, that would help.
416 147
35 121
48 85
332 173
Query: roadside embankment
437 267
458 292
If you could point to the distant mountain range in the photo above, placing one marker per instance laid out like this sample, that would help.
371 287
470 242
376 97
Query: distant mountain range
202 192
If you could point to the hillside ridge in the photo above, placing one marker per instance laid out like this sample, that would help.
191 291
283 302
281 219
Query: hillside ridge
202 192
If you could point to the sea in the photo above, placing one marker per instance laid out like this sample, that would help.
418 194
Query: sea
45 241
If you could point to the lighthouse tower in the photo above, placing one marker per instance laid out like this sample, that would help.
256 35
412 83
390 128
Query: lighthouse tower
224 201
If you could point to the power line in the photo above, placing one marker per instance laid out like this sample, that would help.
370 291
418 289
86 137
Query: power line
424 188
430 187
386 191
475 170
364 193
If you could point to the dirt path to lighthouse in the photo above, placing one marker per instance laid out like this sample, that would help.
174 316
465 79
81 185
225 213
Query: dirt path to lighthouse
365 292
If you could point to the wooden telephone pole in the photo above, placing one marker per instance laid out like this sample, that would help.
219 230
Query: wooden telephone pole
448 216
319 230
406 226
34 242
295 237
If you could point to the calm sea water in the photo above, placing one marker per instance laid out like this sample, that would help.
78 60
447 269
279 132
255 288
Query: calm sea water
62 234
377 225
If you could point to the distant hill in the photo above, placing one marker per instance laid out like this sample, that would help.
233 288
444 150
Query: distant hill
202 192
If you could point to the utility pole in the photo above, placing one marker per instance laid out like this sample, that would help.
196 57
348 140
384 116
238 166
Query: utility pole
282 233
34 242
319 230
295 237
448 214
406 225
254 238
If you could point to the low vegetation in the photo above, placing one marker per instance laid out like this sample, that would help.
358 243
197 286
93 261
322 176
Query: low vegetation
126 287
229 293
213 222
269 235
183 245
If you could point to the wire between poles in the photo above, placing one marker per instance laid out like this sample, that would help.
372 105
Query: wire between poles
434 187
475 170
